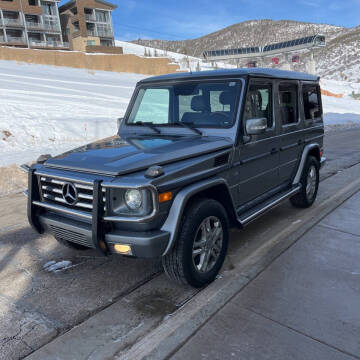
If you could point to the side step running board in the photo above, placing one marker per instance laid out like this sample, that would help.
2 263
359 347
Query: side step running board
250 215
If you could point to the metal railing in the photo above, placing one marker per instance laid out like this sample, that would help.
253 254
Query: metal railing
9 21
92 32
90 17
15 40
105 33
42 26
2 39
52 44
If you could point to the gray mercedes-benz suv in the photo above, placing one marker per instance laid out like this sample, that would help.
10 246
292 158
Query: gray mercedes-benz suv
195 154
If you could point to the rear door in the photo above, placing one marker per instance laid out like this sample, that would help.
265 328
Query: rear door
291 128
259 158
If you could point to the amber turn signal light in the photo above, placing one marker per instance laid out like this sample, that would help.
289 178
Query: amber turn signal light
166 196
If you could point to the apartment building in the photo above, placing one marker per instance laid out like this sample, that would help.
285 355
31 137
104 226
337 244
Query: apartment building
31 23
87 23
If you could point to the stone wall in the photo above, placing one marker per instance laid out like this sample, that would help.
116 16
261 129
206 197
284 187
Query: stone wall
107 62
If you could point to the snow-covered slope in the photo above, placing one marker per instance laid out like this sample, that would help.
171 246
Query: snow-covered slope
185 62
47 109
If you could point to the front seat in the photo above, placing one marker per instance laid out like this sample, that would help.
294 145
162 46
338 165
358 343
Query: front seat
200 112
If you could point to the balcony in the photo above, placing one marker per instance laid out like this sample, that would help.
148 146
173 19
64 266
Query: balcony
34 25
49 44
92 32
16 40
105 33
90 17
12 22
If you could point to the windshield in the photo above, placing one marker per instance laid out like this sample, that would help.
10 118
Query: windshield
197 104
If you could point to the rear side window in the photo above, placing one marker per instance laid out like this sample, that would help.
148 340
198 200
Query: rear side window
288 103
311 99
259 103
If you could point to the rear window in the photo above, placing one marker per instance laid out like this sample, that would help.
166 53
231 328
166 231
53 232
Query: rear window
311 99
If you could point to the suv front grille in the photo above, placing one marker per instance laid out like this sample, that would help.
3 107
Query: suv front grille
51 191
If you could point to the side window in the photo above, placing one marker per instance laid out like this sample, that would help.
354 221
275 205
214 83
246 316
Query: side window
311 98
259 103
288 103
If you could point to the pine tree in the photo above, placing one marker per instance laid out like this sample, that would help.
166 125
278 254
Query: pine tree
155 53
198 67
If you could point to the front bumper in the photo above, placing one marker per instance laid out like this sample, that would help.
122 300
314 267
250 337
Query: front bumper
149 244
92 231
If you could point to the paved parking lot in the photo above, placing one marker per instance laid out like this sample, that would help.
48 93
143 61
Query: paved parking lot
37 305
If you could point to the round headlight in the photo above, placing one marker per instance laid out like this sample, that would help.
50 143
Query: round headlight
133 199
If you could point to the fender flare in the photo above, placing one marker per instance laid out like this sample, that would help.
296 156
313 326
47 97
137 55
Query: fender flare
176 212
304 156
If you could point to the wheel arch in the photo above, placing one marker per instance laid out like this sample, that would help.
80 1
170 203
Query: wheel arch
309 150
215 188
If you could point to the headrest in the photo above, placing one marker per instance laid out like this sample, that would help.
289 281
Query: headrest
198 103
286 97
227 98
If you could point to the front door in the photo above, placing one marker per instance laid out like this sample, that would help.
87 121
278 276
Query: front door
259 156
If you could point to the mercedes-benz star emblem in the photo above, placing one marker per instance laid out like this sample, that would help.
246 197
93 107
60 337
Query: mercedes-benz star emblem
69 193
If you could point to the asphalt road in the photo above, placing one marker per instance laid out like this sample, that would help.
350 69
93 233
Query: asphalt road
37 305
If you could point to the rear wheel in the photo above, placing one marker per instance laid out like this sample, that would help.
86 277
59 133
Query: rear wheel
202 243
310 184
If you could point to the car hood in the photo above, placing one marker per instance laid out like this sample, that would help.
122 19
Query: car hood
118 155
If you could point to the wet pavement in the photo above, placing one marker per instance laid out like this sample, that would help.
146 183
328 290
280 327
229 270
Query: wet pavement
305 305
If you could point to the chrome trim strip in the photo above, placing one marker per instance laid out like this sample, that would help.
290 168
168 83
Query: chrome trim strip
60 182
63 209
269 206
61 200
65 178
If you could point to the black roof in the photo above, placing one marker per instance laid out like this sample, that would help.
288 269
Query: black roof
256 72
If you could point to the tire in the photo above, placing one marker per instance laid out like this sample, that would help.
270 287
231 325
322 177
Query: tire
71 245
310 184
194 260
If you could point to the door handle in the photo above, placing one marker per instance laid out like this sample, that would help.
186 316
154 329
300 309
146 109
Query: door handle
273 151
300 142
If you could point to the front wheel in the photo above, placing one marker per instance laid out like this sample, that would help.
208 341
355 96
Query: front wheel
310 184
201 247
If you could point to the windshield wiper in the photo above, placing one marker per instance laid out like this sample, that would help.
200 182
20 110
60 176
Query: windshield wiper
149 124
190 125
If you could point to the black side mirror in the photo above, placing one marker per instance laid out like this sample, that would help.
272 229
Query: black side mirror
119 122
256 126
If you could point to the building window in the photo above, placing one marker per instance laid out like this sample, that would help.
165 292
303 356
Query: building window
32 2
90 43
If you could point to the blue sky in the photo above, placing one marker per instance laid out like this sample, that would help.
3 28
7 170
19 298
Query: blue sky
186 19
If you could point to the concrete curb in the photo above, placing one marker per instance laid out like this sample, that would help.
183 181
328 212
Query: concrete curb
164 340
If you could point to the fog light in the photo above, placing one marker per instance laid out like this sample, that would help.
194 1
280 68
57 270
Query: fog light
123 249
